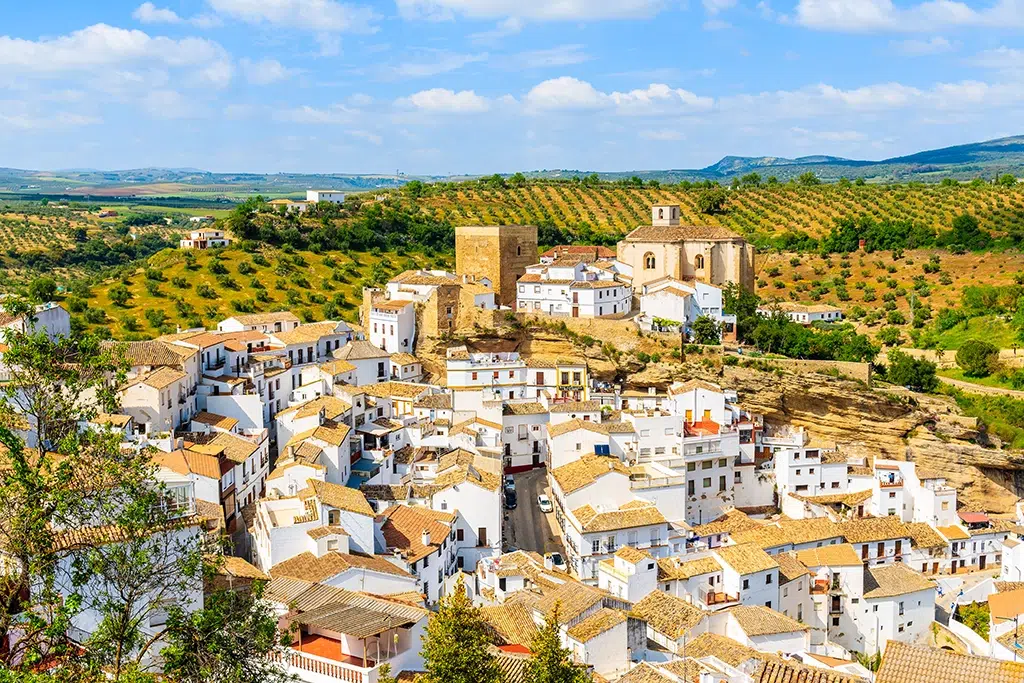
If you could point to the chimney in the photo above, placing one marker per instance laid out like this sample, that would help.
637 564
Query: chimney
425 538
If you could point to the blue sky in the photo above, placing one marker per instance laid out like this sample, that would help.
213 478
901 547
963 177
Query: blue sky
478 86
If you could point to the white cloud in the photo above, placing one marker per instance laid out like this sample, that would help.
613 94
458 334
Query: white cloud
567 93
920 48
103 46
716 6
663 135
169 104
883 15
335 114
438 62
1003 58
26 116
322 16
148 13
265 71
715 24
444 101
368 136
563 55
535 10
505 28
829 135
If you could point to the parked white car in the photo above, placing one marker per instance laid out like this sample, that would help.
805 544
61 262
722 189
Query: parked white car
544 503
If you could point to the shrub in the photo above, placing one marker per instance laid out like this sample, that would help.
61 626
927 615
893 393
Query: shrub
206 291
246 268
216 267
977 358
180 282
916 373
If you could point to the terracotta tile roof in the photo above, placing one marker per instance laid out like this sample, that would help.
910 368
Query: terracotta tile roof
597 623
511 621
810 530
670 568
189 462
265 318
531 408
679 233
758 620
282 467
455 475
436 401
906 663
646 673
316 533
403 528
790 568
730 522
841 555
337 496
577 407
726 649
765 536
215 420
161 378
746 559
392 305
893 579
924 536
585 471
632 555
385 492
953 533
238 568
561 428
1006 605
459 456
572 599
359 349
786 671
613 520
331 432
337 367
112 419
871 529
332 407
152 352
849 499
596 284
309 567
236 448
404 359
668 614
394 389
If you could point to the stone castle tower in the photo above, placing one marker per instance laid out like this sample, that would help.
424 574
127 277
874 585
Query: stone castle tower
499 253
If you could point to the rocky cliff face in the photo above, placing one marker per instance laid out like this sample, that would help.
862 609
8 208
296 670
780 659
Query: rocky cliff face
896 424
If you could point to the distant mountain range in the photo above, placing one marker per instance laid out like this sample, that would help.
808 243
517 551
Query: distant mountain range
962 162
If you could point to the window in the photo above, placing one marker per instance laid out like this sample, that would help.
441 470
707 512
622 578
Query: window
835 621
768 580
444 505
691 466
835 484
707 464
473 375
334 517
723 462
332 544
707 482
698 262
798 473
481 535
746 584
669 431
644 433
459 535
595 546
945 505
689 488
737 477
649 261
721 483
768 604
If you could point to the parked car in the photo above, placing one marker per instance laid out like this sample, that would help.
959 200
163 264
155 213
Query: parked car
510 483
544 503
510 500
556 561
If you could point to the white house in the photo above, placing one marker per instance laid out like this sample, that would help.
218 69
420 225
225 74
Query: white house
805 314
329 196
205 238
674 305
392 325
278 321
570 287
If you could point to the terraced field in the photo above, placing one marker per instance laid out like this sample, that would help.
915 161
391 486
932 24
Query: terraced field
768 210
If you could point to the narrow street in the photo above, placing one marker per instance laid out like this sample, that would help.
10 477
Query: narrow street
526 527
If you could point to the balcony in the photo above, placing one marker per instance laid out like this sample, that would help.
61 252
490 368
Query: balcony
891 482
333 667
712 598
820 587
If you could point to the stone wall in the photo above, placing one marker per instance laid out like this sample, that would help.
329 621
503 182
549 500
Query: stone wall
857 371
499 253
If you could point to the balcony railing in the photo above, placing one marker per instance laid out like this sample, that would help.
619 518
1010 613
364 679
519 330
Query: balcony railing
711 598
347 673
896 482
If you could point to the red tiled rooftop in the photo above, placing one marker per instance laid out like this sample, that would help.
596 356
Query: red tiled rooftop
974 517
702 428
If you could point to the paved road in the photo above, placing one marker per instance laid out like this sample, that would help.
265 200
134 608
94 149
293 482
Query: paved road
943 603
526 527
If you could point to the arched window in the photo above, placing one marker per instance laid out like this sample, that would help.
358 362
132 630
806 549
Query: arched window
661 213
698 262
649 261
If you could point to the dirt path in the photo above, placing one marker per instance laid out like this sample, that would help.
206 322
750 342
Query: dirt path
980 388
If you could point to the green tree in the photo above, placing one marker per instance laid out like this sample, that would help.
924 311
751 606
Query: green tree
119 295
808 179
455 647
706 330
712 201
977 358
1007 180
916 373
228 640
414 189
42 289
550 662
